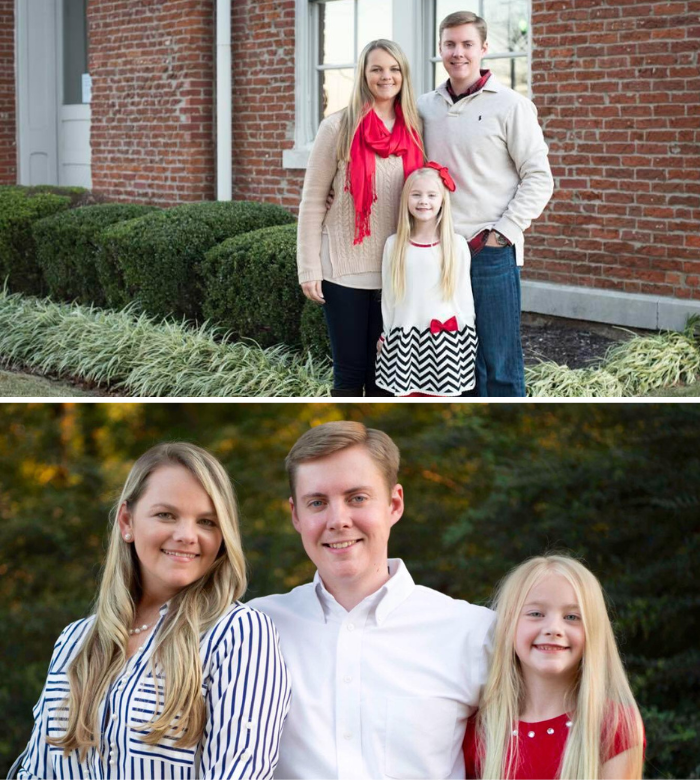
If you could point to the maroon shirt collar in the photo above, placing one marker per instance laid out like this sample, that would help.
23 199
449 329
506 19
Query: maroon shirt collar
475 87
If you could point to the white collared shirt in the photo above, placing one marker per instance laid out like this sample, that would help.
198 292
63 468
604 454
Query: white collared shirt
246 691
381 691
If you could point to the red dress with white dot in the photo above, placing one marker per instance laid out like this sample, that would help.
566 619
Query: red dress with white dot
541 746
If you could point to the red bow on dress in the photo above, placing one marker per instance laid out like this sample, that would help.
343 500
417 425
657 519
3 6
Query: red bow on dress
448 325
444 174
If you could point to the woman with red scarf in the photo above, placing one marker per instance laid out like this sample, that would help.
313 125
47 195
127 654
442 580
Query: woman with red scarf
364 154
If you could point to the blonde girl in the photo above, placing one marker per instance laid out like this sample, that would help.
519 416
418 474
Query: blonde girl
428 342
170 676
362 155
557 702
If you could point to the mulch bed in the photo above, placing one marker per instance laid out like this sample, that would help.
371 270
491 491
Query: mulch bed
571 343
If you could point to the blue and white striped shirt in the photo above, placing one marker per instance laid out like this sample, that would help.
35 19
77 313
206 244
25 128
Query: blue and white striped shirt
246 690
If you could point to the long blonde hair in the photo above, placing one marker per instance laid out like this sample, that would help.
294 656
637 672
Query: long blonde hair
192 611
448 276
600 698
362 98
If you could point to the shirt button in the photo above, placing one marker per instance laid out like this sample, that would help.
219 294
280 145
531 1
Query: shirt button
347 735
114 717
531 733
351 626
347 679
249 725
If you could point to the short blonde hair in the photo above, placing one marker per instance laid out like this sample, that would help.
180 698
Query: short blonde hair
332 437
464 17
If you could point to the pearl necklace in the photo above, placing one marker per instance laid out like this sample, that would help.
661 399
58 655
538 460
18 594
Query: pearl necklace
144 627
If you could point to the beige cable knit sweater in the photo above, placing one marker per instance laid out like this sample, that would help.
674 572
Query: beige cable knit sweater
323 172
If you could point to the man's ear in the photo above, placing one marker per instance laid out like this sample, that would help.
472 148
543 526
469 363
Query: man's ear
396 503
295 518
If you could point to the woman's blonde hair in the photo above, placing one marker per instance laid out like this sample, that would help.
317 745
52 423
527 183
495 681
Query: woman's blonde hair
600 700
362 100
448 277
192 611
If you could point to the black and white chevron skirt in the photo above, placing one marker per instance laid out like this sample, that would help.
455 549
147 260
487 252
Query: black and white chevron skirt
418 361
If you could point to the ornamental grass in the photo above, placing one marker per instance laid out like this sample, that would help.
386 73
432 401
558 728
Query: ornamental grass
141 356
632 368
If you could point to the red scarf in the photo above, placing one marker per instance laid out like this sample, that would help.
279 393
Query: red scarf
372 138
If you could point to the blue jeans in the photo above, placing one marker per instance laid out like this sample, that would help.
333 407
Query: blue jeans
499 359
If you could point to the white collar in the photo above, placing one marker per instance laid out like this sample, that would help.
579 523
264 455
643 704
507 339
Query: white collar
394 592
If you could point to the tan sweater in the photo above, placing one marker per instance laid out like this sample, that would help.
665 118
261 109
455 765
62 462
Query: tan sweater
493 146
323 172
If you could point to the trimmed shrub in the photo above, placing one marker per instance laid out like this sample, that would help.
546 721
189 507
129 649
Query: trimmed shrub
154 260
67 244
314 332
19 210
251 288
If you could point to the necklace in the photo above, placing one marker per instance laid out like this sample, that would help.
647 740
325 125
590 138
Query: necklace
144 627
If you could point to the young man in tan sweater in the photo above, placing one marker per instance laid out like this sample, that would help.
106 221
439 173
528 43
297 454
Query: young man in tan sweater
489 138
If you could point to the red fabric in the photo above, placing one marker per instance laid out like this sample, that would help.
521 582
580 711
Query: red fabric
372 138
475 87
444 174
540 755
448 325
478 242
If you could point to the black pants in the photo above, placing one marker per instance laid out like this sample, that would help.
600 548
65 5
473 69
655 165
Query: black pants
354 319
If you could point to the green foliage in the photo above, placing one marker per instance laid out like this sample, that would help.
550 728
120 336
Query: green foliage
142 357
251 288
19 210
154 260
66 247
313 330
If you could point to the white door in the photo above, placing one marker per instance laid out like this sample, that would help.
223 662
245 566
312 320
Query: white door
36 89
74 107
54 120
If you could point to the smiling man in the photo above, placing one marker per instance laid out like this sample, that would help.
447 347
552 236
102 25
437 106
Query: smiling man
489 138
385 672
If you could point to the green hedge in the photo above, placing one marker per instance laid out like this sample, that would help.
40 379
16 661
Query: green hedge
20 208
250 286
314 332
154 259
67 245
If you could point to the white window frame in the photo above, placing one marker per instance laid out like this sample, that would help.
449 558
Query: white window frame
410 19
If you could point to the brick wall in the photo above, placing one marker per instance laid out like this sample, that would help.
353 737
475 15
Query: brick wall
8 118
617 87
152 99
263 101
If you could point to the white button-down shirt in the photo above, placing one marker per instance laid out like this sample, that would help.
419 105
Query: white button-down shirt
384 690
246 691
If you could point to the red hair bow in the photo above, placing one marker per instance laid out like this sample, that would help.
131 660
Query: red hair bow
444 174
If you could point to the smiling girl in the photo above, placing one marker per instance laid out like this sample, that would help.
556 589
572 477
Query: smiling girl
428 342
171 676
557 702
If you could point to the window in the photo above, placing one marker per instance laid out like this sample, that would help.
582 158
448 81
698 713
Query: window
330 34
341 29
508 23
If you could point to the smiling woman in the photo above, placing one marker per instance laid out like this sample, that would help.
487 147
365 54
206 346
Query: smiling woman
149 684
362 154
